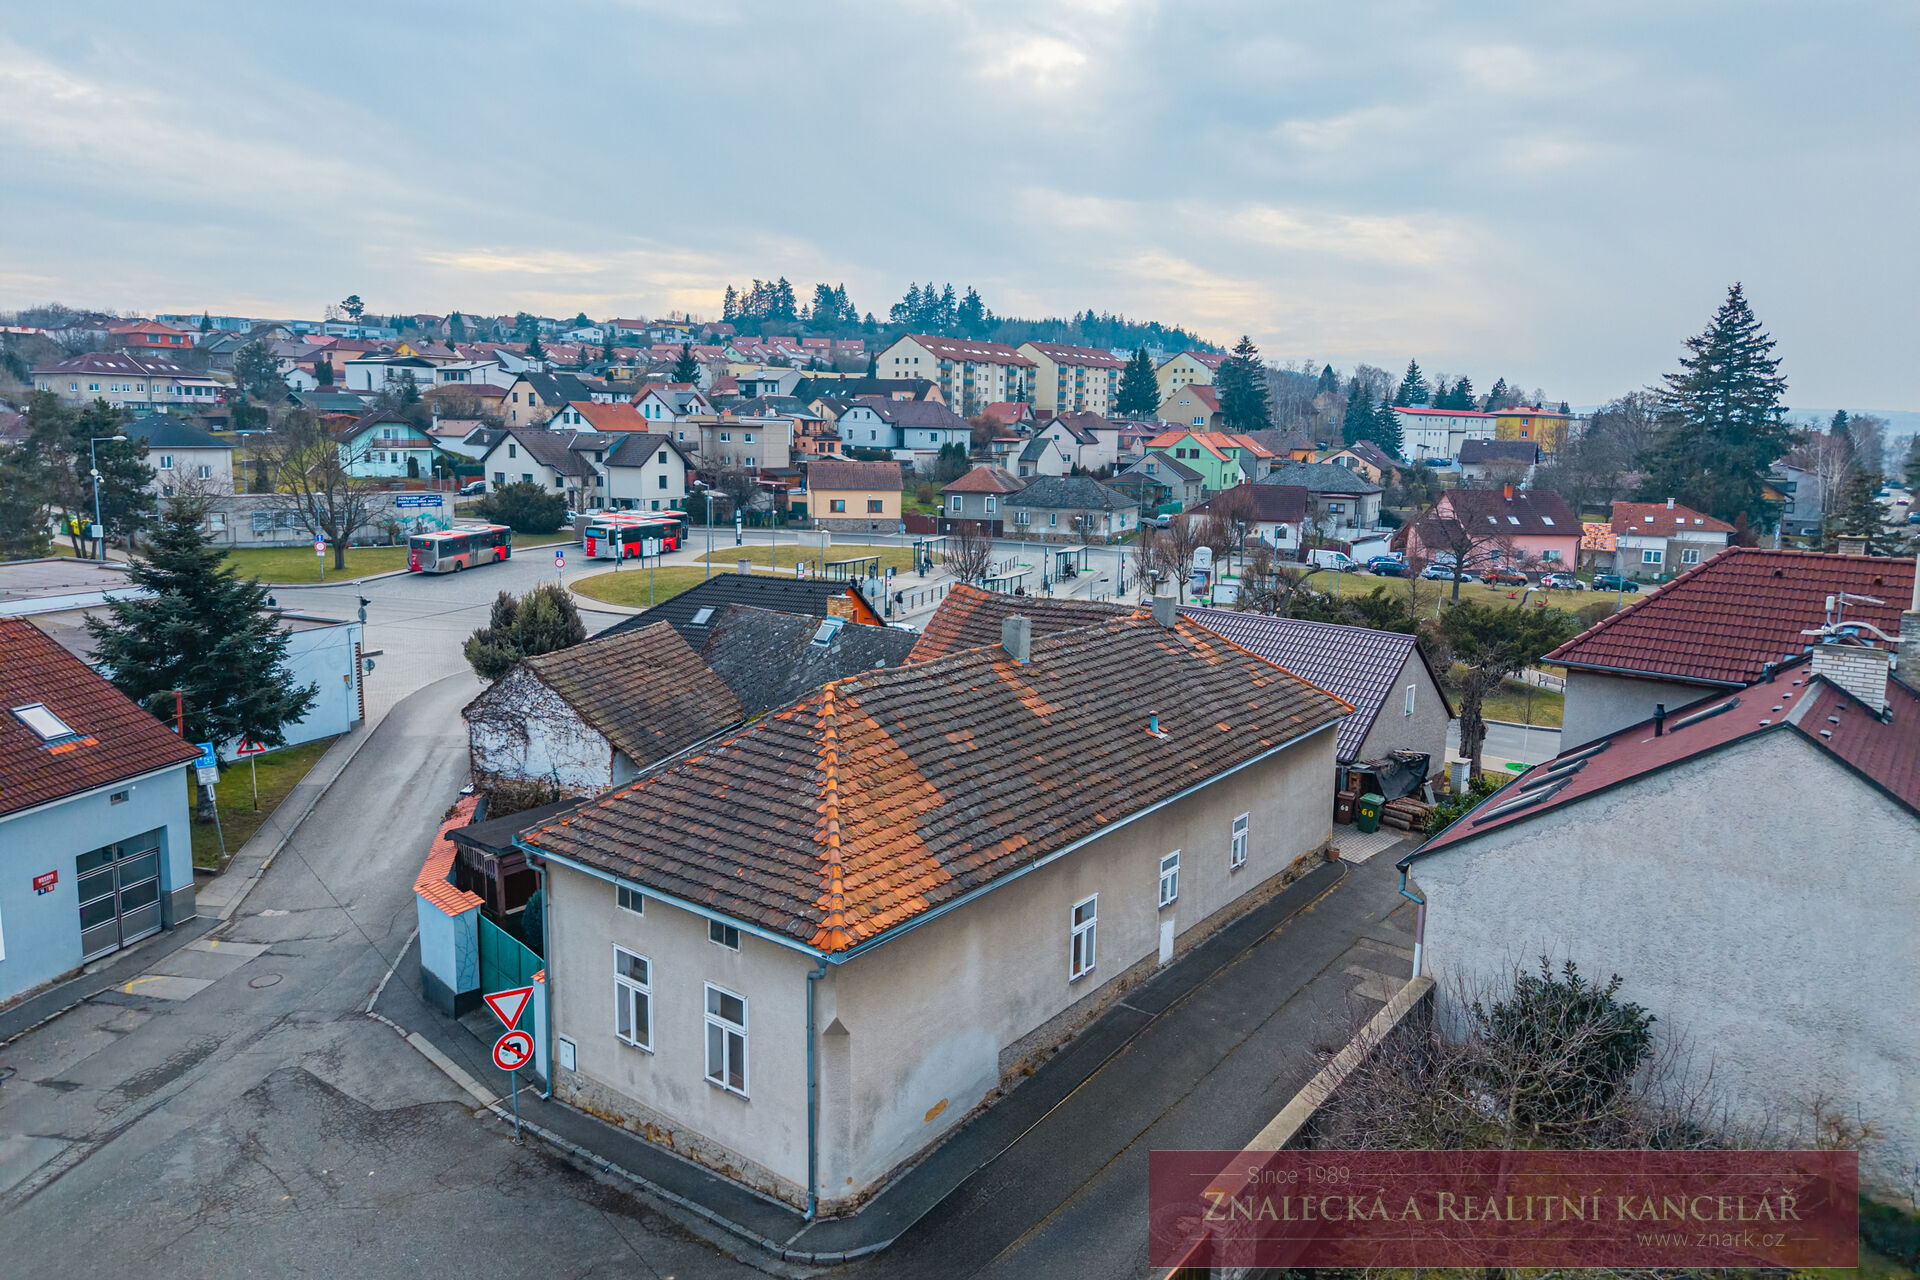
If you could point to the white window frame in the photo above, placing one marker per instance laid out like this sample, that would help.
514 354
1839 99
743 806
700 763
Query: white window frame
633 998
1690 555
724 932
1169 878
727 1028
1650 555
629 899
1409 707
1237 847
1083 937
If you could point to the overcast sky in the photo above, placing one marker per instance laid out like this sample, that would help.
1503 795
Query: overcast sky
1556 193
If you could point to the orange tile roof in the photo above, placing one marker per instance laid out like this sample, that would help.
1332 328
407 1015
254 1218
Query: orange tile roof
620 416
970 618
1662 521
432 884
886 795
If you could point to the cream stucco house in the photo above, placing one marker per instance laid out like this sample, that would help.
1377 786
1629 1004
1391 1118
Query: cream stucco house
806 951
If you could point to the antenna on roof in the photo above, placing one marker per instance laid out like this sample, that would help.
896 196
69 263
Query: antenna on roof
1837 605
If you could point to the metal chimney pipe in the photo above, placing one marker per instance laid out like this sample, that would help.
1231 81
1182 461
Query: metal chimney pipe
1659 719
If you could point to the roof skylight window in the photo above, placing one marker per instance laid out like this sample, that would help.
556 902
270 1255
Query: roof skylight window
702 617
49 727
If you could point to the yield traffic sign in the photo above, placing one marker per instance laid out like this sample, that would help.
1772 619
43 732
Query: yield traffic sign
509 1005
248 747
512 1050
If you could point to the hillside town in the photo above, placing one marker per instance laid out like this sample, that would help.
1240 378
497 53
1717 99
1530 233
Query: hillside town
756 641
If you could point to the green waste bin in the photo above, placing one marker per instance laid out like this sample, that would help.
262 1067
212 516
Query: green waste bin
1366 814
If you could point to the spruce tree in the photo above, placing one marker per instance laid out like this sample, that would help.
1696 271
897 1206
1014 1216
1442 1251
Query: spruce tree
1842 430
1860 512
1358 423
686 368
1242 384
25 506
534 350
1139 392
1413 386
1497 398
1724 422
1462 394
542 621
1386 430
1328 384
206 322
201 629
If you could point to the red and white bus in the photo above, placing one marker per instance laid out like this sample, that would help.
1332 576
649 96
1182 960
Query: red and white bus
622 535
450 550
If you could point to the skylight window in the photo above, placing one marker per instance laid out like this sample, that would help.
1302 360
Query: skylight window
50 727
1547 520
828 630
1513 519
702 616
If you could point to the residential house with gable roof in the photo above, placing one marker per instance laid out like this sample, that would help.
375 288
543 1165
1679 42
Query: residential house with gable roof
1365 459
96 851
662 403
1278 513
1718 627
643 471
1195 406
969 373
1657 540
183 456
853 495
128 380
1496 462
384 444
1041 456
978 494
1531 526
1162 484
1069 379
1220 467
1070 509
1188 368
1729 861
951 943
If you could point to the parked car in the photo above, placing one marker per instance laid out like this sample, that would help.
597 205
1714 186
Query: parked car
473 487
1614 582
1441 573
1562 582
1506 578
1374 562
1387 567
1159 522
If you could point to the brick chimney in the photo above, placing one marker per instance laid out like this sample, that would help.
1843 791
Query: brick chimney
1852 544
1506 491
1909 651
1859 670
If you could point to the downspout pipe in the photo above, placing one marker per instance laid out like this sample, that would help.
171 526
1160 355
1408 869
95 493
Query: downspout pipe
813 1098
546 963
1420 921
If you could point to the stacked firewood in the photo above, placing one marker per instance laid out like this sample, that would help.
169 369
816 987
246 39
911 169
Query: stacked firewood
1408 813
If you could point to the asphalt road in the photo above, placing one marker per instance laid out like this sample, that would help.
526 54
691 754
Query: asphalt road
263 1126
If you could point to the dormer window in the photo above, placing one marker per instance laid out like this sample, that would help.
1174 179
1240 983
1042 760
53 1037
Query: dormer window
50 728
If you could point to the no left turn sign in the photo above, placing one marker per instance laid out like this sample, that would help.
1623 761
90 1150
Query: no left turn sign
513 1050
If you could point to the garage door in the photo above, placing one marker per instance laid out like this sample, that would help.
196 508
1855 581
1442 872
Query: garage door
119 894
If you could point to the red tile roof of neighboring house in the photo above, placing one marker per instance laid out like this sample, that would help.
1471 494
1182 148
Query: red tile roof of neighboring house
1204 393
1885 752
886 796
618 416
432 883
112 737
1211 359
1722 622
1092 357
1528 411
840 476
984 479
1272 503
1002 412
1663 521
970 618
968 351
1168 439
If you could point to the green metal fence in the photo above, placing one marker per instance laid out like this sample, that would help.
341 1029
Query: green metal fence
505 962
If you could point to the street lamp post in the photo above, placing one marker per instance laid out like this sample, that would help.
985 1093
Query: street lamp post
93 463
707 489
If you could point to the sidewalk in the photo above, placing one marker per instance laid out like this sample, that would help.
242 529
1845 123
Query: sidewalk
1344 900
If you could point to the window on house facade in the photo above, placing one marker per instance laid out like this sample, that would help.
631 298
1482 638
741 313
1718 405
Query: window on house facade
723 935
1690 555
629 900
1022 516
727 1040
1551 553
632 999
1237 851
1053 519
1650 556
990 504
166 462
1409 707
1169 878
1085 924
873 506
837 504
499 477
954 503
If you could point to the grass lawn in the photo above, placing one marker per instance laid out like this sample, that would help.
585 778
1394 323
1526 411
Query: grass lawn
299 564
1511 702
899 559
543 539
911 505
279 772
629 586
1432 593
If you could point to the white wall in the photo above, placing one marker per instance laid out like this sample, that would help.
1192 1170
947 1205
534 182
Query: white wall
520 728
1597 704
1758 901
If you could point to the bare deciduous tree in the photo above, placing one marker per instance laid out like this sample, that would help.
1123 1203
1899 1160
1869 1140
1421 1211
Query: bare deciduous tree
1448 534
969 551
312 476
1174 548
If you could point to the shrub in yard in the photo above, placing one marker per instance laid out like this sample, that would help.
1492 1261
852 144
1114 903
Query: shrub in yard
927 495
542 621
1561 1051
524 507
1448 811
1588 614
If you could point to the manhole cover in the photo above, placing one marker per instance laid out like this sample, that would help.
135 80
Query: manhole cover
264 981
